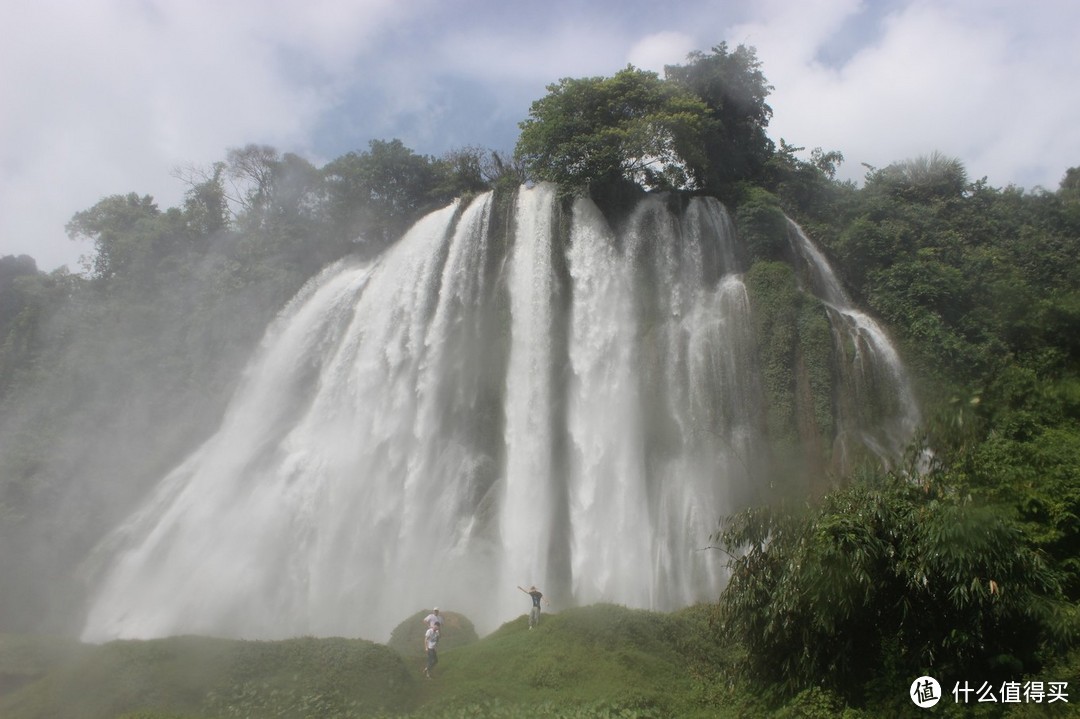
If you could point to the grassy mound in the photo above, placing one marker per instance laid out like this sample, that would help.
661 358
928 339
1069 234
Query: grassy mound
600 660
407 637
202 677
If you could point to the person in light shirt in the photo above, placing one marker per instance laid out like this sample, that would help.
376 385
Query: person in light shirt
434 618
431 643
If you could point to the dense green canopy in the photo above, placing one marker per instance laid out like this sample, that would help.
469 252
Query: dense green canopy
632 126
700 127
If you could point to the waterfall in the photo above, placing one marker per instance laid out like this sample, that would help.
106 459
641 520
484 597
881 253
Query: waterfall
510 395
880 411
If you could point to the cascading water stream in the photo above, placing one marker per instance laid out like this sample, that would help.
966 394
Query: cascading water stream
873 369
527 510
498 400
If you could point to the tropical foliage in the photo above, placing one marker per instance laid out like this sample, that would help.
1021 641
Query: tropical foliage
702 127
734 89
632 127
886 582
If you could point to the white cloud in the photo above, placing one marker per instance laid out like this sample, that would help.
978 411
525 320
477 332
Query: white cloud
988 83
520 54
106 96
792 33
655 51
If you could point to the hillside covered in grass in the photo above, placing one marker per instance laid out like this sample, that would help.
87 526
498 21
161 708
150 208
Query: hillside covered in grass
591 662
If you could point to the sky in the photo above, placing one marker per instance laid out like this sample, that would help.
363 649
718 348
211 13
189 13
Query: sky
104 97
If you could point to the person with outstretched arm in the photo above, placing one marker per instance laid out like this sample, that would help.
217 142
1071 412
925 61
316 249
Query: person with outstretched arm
537 596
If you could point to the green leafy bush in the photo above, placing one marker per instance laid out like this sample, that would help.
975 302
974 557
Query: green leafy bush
885 581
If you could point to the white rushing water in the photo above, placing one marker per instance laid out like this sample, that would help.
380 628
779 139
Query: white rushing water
872 368
573 408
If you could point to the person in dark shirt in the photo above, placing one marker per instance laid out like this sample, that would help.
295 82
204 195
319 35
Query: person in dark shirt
537 596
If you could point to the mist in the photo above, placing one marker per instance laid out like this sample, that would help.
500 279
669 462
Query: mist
124 385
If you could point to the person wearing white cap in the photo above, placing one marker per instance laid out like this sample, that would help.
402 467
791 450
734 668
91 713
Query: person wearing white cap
434 619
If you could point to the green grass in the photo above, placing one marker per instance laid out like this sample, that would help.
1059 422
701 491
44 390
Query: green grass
584 656
25 659
202 677
597 662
